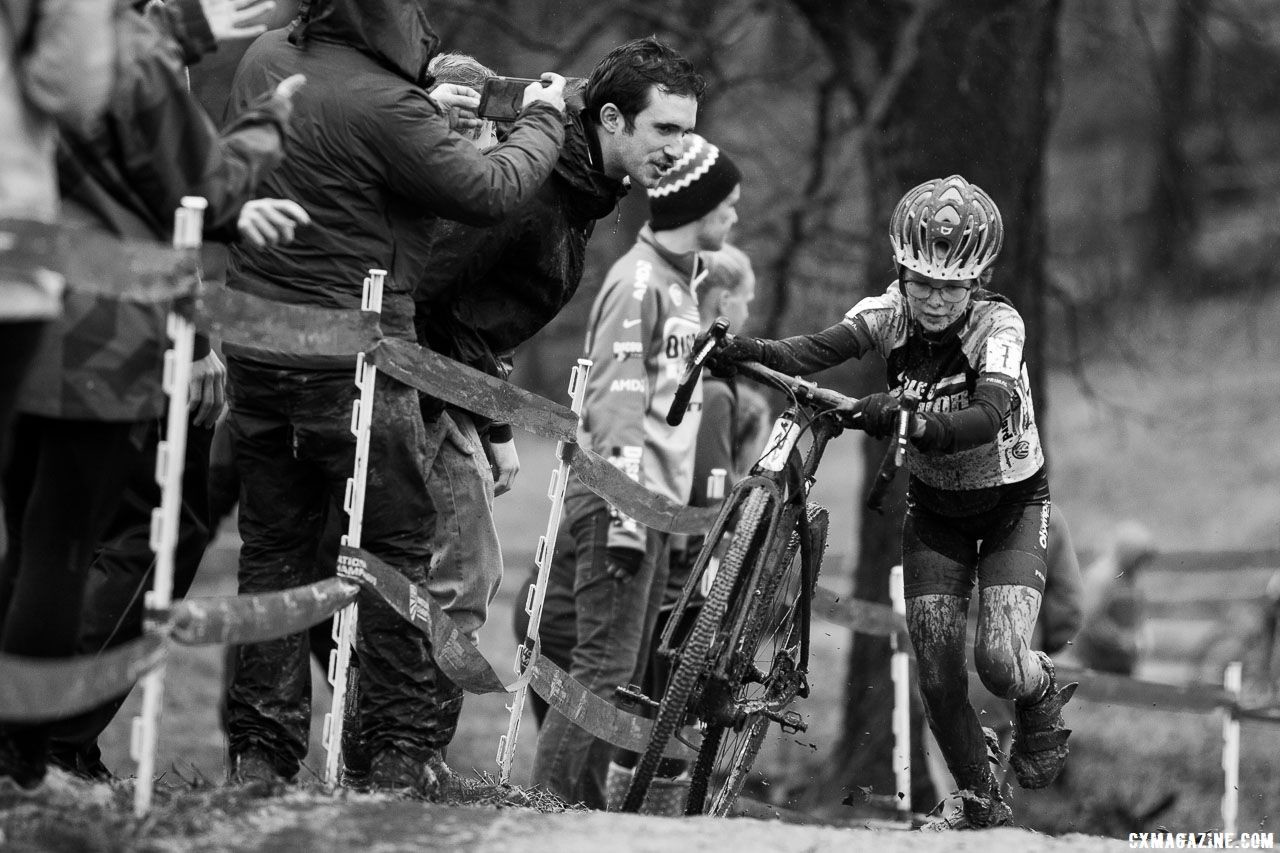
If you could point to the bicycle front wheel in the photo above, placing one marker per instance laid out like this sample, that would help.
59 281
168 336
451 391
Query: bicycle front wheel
695 659
769 677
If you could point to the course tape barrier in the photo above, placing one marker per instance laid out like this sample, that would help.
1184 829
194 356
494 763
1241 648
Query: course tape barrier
100 264
467 388
590 712
454 652
257 618
459 659
864 617
264 325
33 689
634 500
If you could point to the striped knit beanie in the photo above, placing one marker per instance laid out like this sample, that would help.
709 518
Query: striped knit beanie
701 179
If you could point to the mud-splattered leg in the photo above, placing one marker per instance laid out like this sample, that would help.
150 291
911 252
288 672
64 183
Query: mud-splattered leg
1002 650
937 627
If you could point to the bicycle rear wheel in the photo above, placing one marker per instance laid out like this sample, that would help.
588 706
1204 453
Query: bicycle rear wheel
695 660
768 675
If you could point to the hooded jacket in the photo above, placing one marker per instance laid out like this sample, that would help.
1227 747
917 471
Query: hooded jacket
102 359
484 291
369 156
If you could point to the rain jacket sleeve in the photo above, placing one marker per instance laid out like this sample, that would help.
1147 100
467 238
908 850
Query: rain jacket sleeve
447 175
68 72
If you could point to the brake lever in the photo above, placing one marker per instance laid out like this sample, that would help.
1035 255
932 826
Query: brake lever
684 391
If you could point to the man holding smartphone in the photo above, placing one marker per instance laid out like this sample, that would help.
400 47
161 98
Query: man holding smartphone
483 291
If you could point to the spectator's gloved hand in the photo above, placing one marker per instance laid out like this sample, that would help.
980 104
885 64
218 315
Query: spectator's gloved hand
270 221
621 564
549 89
230 19
876 415
723 362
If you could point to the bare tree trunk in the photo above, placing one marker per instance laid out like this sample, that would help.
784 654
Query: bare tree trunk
943 88
1172 217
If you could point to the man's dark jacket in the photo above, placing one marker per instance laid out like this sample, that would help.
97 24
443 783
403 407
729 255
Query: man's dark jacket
368 150
484 291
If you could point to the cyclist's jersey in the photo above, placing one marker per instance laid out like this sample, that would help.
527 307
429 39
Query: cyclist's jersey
986 343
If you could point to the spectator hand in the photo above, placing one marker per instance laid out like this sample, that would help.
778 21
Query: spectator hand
270 221
875 414
621 564
549 90
506 464
208 389
458 103
229 19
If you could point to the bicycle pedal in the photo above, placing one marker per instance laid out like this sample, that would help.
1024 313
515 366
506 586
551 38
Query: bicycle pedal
789 721
633 693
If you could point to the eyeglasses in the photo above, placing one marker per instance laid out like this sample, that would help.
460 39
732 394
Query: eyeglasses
949 292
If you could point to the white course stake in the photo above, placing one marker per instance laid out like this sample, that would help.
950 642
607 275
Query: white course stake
1233 681
344 624
538 592
898 671
188 227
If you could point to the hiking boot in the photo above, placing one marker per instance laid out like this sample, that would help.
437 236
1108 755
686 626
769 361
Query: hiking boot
446 780
81 761
396 772
1040 736
254 769
982 806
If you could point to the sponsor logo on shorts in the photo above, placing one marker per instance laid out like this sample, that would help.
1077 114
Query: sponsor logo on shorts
1044 526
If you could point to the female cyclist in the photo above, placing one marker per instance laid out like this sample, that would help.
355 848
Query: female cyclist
978 496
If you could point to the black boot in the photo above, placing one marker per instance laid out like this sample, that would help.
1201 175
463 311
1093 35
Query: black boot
1040 737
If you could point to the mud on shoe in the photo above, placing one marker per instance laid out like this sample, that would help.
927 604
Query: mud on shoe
393 771
254 771
1040 735
981 807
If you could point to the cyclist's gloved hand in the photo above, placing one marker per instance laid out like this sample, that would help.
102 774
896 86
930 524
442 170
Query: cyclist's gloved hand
876 415
723 362
622 563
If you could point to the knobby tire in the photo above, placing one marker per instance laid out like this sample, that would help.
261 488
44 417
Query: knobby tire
694 659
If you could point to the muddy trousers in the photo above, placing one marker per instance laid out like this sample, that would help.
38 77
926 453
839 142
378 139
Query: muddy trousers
613 621
293 449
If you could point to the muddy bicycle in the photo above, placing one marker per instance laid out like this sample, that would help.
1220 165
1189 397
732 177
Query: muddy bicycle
737 640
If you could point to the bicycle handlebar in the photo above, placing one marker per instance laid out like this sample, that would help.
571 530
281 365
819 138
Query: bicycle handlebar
802 389
692 370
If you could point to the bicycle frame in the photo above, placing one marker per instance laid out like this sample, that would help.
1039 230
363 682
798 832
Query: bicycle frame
786 476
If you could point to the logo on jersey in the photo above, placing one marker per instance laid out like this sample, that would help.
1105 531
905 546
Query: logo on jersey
676 292
623 350
679 346
1021 450
629 385
639 284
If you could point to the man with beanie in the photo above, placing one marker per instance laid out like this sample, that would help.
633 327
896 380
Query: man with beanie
607 587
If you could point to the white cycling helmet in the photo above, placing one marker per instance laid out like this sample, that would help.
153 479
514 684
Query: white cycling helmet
946 229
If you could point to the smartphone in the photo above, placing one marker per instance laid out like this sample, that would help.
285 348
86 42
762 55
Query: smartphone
502 97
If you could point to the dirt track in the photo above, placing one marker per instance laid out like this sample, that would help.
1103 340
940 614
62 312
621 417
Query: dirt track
376 824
